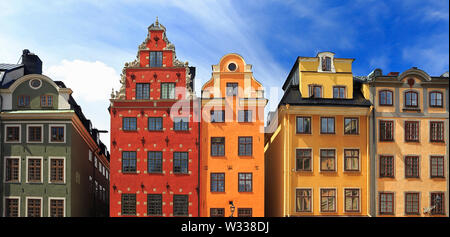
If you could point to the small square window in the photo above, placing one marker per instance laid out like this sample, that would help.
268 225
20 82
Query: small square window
12 133
57 133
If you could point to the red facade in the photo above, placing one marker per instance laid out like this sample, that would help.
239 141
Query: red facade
154 156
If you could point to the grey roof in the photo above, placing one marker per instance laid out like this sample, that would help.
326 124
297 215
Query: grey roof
292 96
7 67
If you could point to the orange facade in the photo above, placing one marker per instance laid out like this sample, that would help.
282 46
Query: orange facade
232 141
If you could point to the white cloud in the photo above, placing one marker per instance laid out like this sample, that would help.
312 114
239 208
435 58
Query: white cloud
91 81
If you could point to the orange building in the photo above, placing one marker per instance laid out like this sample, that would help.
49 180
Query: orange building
232 141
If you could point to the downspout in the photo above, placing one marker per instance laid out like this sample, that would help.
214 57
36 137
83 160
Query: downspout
198 154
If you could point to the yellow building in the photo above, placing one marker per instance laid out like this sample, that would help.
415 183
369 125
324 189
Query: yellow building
316 146
410 143
232 141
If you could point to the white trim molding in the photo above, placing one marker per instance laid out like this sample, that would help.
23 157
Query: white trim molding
50 132
4 168
50 168
42 132
56 198
6 134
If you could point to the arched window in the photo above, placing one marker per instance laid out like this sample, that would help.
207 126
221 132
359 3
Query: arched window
385 97
435 99
411 99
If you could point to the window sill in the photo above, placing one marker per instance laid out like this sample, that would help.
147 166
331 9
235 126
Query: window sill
411 109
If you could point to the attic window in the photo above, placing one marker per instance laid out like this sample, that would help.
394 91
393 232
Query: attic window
35 83
232 67
326 64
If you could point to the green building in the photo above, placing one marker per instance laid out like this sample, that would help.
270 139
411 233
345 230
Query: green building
52 162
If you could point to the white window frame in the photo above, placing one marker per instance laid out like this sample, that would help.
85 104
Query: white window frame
49 168
42 132
56 198
6 134
312 199
359 199
4 168
42 167
26 204
323 55
343 159
50 132
4 204
335 201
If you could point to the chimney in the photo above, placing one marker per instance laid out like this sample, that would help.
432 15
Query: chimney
31 62
393 74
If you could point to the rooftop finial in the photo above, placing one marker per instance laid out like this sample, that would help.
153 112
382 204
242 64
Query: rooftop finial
157 23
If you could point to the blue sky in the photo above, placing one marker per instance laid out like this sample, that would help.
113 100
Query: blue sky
85 43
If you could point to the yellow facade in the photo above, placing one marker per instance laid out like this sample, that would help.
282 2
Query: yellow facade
400 184
293 190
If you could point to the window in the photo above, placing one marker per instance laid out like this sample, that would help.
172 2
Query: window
387 166
46 101
437 131
327 160
303 159
304 125
412 167
351 200
23 101
326 64
245 116
438 202
437 167
351 159
12 169
33 207
232 89
412 204
168 91
155 59
328 200
327 125
245 182
411 131
57 133
35 83
155 123
351 125
217 182
181 124
12 133
436 99
217 146
180 205
411 99
245 146
128 204
56 170
385 98
315 91
129 124
128 161
217 212
154 161
303 197
232 67
142 91
339 92
180 162
386 203
217 116
386 130
34 133
244 212
154 205
56 208
12 207
35 170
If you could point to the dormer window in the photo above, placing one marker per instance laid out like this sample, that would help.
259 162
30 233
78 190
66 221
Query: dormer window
315 91
339 92
23 101
326 64
155 59
46 101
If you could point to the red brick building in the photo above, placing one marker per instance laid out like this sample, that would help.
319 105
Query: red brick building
154 139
